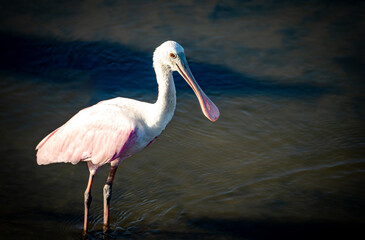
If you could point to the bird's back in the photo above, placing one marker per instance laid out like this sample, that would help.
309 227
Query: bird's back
99 134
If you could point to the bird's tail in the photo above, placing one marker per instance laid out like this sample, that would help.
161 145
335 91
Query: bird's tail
43 152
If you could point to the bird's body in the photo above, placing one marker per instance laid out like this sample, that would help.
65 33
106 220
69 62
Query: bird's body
102 134
115 129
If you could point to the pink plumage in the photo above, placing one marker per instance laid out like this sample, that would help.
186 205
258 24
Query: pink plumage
98 134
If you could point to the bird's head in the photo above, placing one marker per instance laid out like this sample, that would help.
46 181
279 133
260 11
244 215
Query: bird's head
171 55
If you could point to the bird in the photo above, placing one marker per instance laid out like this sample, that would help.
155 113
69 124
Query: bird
115 129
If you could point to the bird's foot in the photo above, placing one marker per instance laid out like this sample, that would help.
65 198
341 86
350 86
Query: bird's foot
84 234
106 228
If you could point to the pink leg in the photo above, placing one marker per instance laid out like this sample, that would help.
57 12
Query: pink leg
87 202
107 196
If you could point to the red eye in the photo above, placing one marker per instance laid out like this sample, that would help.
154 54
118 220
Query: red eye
172 55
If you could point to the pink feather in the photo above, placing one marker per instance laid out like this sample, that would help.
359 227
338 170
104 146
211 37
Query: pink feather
98 134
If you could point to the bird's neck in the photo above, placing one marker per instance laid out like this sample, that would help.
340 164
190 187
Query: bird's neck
164 107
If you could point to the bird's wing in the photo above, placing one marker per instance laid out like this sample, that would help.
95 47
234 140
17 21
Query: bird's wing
99 134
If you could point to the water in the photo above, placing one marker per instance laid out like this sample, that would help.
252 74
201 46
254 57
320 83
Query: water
285 159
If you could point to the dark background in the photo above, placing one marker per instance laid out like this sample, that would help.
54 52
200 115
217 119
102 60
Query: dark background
285 159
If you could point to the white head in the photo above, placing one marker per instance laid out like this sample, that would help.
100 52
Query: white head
171 56
168 54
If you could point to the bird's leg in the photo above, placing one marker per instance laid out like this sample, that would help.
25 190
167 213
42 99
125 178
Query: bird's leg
107 196
87 202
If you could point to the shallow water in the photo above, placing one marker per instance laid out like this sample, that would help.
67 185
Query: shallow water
285 159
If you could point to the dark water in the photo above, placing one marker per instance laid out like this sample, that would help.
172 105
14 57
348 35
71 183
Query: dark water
285 159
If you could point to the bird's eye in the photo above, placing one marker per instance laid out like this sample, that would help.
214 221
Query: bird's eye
172 55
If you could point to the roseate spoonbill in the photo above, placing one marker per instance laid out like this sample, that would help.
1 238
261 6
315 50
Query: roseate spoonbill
112 130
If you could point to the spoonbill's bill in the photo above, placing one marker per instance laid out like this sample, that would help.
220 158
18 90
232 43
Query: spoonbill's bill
113 130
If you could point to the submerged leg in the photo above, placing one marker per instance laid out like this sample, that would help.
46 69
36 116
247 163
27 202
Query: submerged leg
87 201
107 191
